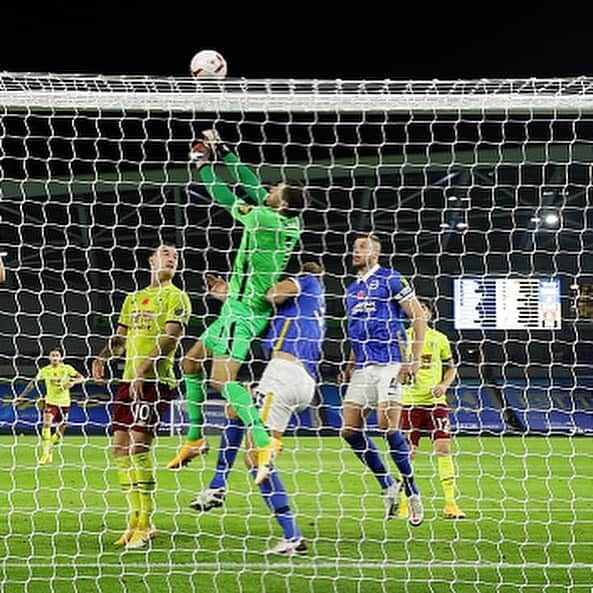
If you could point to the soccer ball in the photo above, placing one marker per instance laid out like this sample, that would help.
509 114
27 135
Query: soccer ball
208 63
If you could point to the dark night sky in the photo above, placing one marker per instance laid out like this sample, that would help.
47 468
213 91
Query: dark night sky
298 39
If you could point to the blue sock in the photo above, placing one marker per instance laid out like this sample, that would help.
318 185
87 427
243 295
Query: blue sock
364 448
230 442
401 456
275 496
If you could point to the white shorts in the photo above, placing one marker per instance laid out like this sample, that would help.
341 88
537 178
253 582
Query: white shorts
374 384
285 387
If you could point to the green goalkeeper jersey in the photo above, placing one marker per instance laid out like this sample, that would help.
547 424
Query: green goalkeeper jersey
268 237
145 314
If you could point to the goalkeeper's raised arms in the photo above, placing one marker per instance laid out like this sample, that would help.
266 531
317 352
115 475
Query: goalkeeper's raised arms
211 145
199 154
271 229
214 142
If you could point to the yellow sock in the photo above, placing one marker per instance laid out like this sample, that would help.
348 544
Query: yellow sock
143 471
129 488
447 476
46 439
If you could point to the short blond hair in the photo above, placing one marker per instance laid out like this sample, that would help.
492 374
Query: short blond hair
373 239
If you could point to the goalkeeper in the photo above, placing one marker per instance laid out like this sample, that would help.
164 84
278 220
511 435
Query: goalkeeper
425 410
271 230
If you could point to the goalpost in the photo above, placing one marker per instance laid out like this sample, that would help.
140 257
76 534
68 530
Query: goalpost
481 192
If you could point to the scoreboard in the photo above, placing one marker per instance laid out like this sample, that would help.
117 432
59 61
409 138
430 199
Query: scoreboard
507 303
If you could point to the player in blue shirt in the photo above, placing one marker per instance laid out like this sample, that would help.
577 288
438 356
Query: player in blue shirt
377 303
293 342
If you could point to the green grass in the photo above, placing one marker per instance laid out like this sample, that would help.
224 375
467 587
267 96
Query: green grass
529 528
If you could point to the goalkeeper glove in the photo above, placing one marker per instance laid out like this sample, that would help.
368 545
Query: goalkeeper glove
199 154
213 141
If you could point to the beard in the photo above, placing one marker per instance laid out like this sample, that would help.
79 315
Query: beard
360 263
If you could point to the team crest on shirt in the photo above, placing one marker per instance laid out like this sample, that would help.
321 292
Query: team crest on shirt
142 320
361 294
245 209
145 302
363 307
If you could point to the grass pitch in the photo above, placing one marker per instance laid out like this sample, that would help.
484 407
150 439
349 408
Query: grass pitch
529 503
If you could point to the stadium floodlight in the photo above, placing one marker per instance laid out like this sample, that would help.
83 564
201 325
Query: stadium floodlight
551 219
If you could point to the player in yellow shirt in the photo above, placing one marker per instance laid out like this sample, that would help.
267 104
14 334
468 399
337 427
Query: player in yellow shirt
425 408
58 378
150 325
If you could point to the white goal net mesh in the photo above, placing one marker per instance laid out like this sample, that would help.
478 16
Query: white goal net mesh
481 193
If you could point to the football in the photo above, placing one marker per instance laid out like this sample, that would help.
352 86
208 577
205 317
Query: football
208 63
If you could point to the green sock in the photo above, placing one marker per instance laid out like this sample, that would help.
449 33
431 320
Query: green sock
195 394
447 476
128 486
143 472
240 400
46 439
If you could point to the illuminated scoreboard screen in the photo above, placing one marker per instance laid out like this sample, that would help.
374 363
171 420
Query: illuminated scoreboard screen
507 303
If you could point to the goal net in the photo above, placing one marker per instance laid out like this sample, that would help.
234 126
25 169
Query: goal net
481 193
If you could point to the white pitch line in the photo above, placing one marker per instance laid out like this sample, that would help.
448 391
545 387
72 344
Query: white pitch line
583 505
298 563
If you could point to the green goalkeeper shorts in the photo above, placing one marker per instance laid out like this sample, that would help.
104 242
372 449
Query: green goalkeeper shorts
231 334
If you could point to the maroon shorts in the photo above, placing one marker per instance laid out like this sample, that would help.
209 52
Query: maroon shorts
143 415
59 413
432 420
